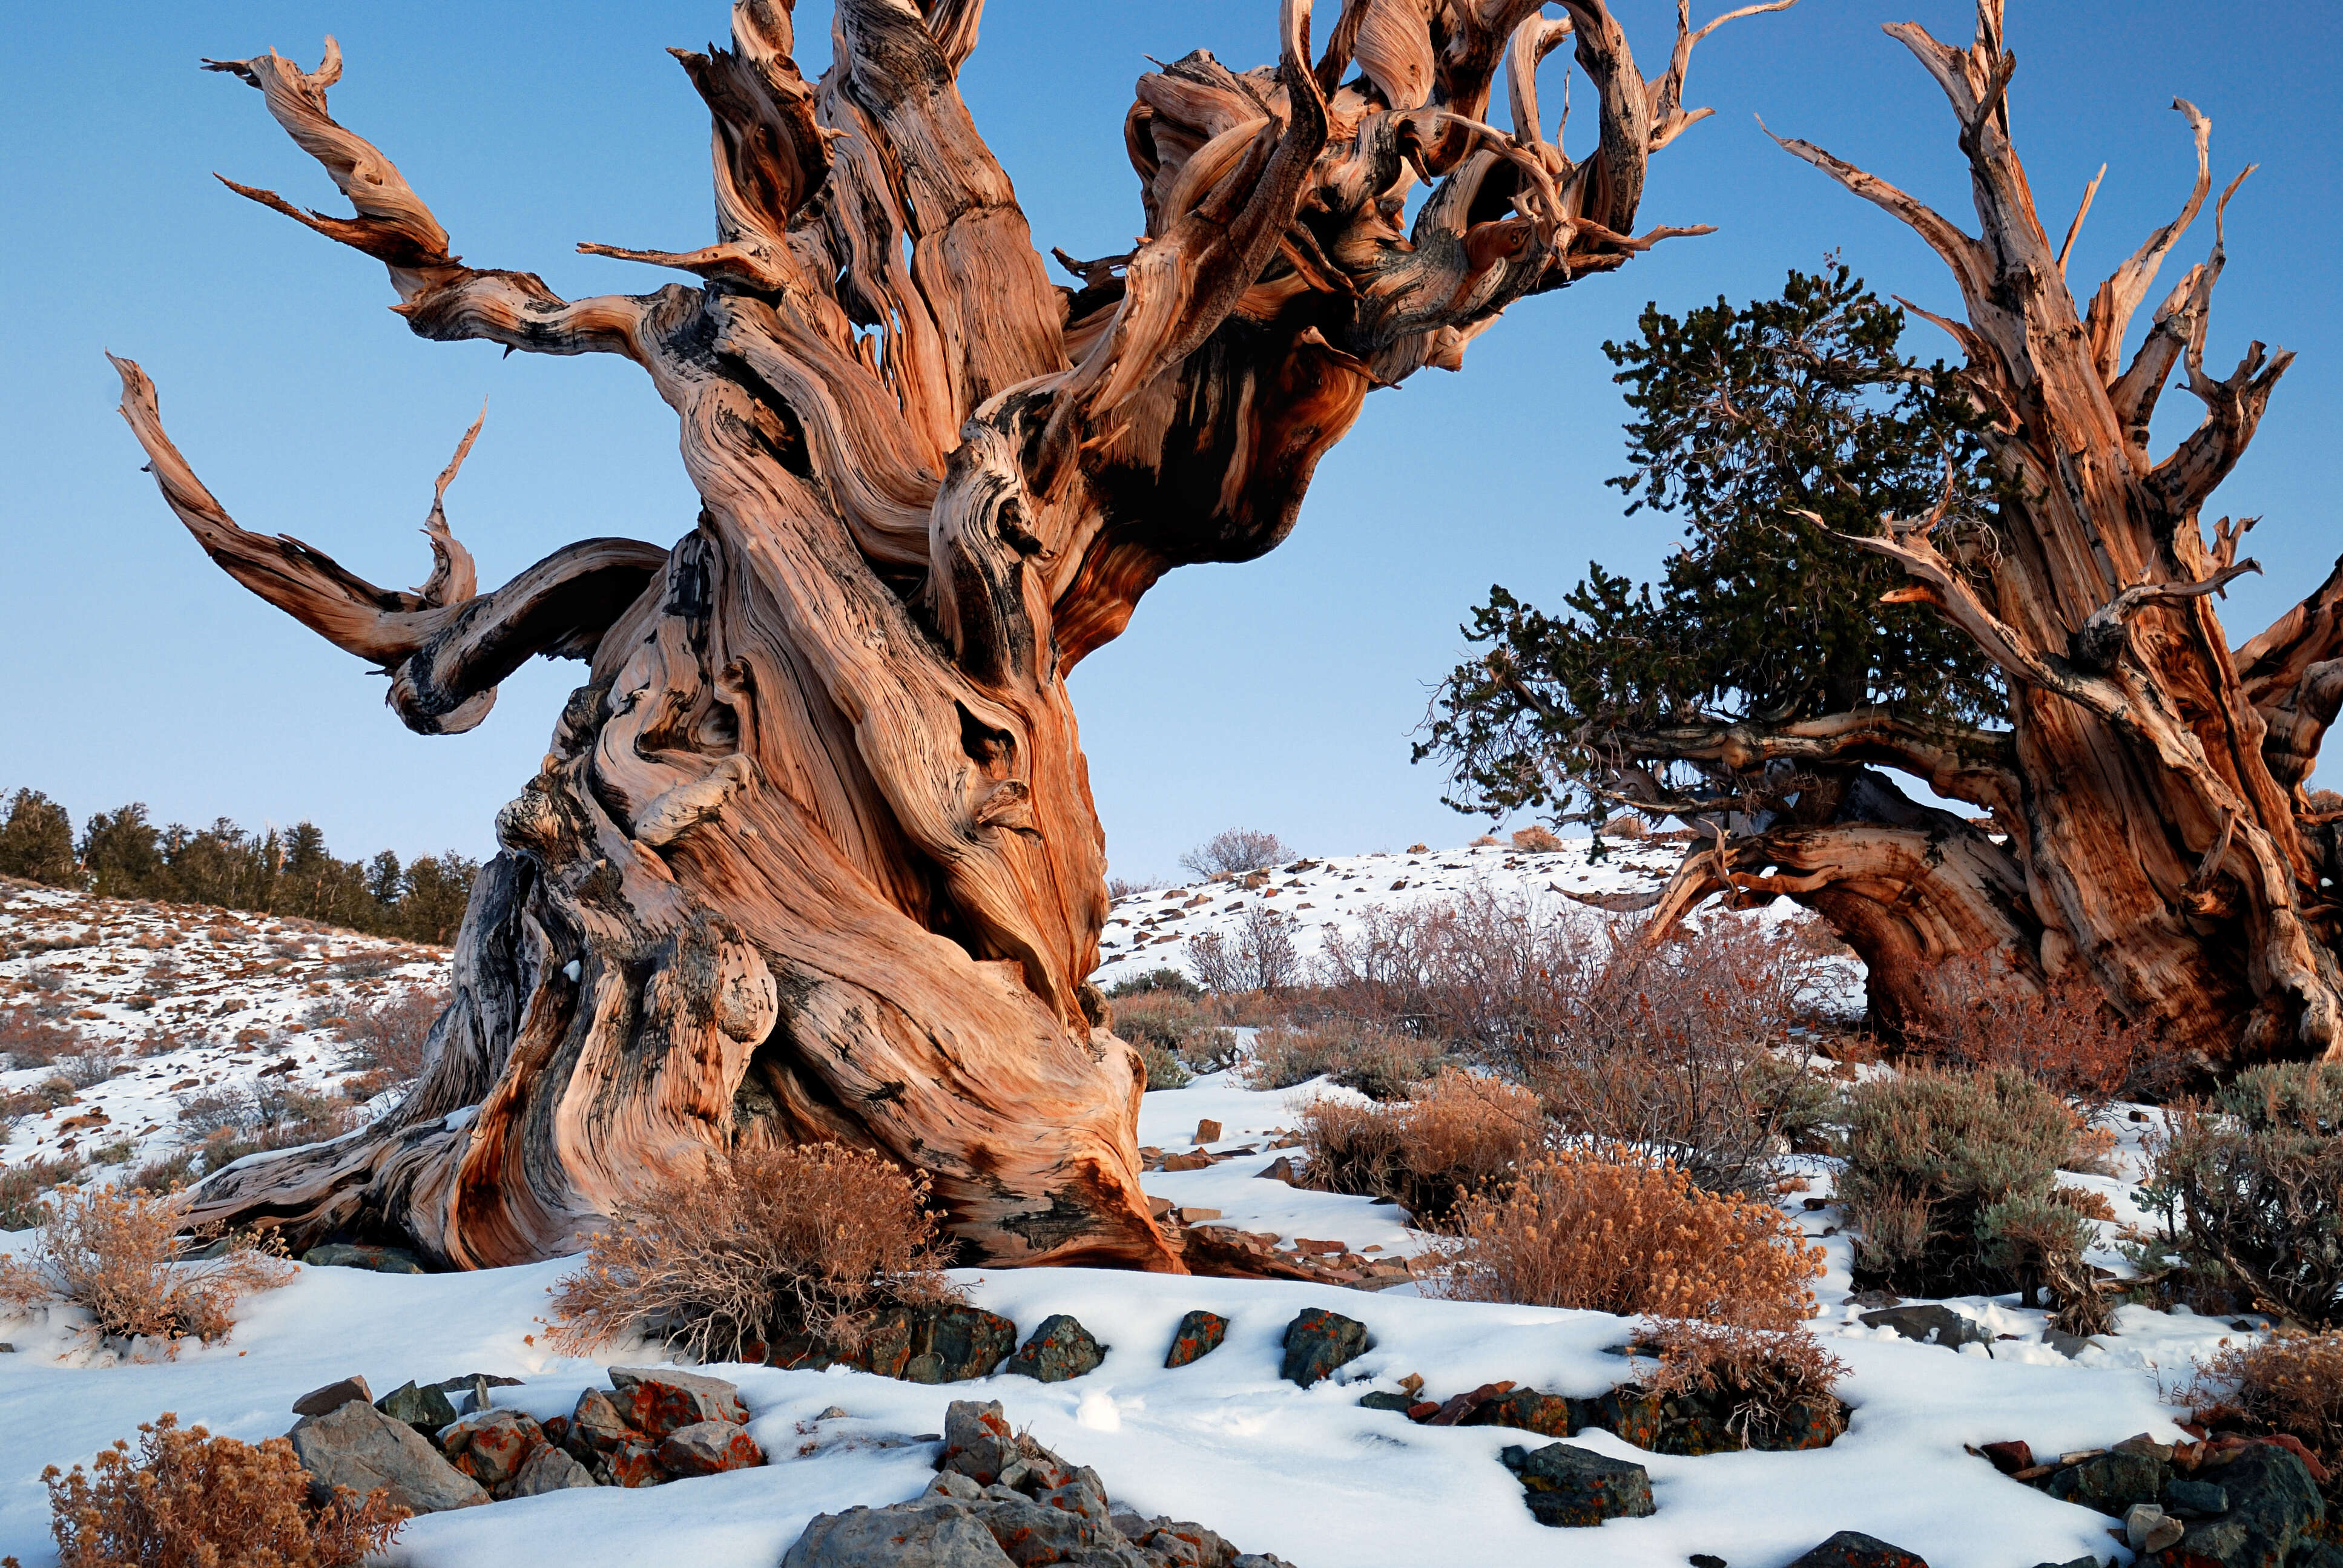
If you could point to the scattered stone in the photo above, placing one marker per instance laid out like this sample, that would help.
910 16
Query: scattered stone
1852 1549
1317 1341
318 1400
426 1409
657 1401
1281 1168
1200 1333
633 1463
1198 1161
1547 1414
1196 1216
357 1446
935 1345
492 1449
474 1379
596 1422
2195 1499
2110 1482
926 1533
381 1260
1874 1299
548 1469
1207 1131
1710 1559
1060 1349
2010 1457
2148 1528
708 1447
1931 1325
2274 1508
1572 1487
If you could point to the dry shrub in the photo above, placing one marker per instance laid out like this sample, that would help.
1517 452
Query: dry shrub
1770 1380
190 1500
2255 1178
2064 1035
1461 1133
2289 1383
1380 1063
392 1037
1178 1024
769 1245
116 1254
29 1040
1945 1178
1617 1231
1536 841
1235 850
24 1188
1259 956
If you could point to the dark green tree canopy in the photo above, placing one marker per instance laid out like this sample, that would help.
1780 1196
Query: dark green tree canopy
1773 430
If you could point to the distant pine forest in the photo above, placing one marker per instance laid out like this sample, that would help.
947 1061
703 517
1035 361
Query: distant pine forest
121 854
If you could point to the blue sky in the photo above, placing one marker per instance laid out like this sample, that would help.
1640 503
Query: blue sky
1279 694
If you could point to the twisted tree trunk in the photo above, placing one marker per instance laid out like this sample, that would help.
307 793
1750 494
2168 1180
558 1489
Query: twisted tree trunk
813 854
2146 817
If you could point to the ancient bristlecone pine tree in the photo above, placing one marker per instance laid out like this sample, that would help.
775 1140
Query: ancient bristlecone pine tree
813 854
2147 815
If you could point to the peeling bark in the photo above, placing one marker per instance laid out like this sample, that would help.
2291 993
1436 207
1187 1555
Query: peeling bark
813 854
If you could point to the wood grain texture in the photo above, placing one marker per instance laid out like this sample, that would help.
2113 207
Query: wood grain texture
813 853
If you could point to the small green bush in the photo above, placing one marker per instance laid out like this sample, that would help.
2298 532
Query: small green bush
1164 1068
1929 1157
1162 979
1179 1026
2252 1185
1380 1063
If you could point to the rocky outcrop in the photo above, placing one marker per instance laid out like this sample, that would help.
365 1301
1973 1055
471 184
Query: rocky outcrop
1002 1501
949 1343
355 1445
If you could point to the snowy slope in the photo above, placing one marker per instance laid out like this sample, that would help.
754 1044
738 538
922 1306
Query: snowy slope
192 999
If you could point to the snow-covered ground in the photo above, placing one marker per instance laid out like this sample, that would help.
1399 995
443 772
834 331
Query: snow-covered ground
190 999
1307 1475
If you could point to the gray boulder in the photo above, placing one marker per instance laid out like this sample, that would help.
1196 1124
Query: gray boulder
357 1446
426 1409
1931 1325
318 1400
1060 1349
657 1401
1317 1341
1568 1486
548 1469
930 1532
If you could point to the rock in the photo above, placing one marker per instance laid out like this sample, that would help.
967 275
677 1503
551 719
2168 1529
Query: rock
928 1532
935 1345
1567 1486
357 1446
548 1469
2110 1482
2084 1562
2148 1528
1281 1168
2011 1457
1710 1559
1317 1341
2066 1344
953 1484
1380 1400
2195 1499
475 1380
634 1463
1547 1414
425 1409
596 1421
708 1447
1207 1131
492 1448
1060 1349
1852 1549
381 1260
318 1400
657 1401
1200 1333
1931 1325
2274 1507
979 1444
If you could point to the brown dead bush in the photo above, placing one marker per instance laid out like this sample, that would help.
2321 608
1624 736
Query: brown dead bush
2289 1383
116 1254
25 1188
186 1499
1383 1064
1617 1231
392 1037
1461 1134
29 1040
1772 1381
1536 841
769 1245
2064 1036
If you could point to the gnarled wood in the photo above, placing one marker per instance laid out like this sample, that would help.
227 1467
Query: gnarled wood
813 854
2150 823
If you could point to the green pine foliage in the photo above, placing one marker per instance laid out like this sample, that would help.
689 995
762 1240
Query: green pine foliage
122 854
1745 421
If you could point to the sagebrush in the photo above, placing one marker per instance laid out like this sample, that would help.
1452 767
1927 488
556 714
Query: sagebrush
1380 1063
118 1253
2063 1035
186 1499
1772 1382
1617 1231
770 1245
2288 1382
1460 1133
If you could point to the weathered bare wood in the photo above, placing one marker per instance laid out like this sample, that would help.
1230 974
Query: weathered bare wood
813 854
